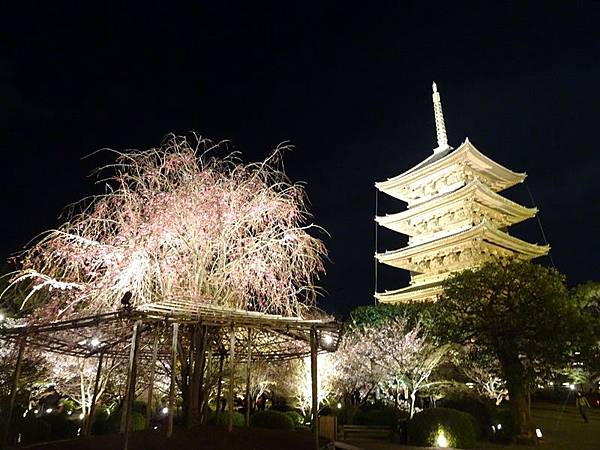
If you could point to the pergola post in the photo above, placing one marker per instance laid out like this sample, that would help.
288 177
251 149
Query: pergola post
220 380
87 430
231 377
151 382
172 387
205 385
248 363
13 390
132 374
315 393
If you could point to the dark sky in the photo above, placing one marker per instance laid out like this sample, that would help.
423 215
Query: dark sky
349 86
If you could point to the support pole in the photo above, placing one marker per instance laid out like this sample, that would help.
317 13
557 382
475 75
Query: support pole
315 393
231 377
172 387
220 380
130 395
206 387
248 363
13 391
90 419
151 381
192 400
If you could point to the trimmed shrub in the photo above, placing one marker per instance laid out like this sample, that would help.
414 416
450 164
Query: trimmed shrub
480 411
271 419
425 428
359 417
113 422
222 419
60 426
139 406
33 430
383 417
345 414
506 434
138 421
296 417
100 422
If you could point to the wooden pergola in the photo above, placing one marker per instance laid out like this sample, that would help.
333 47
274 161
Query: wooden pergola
244 336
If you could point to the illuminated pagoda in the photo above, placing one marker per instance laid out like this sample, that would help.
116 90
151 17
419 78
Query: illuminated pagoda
455 218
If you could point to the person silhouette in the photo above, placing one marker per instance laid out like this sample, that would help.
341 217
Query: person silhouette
582 404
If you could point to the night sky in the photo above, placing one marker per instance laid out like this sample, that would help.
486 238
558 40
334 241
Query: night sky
349 86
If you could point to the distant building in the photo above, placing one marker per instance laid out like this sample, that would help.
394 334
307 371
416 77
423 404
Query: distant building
455 217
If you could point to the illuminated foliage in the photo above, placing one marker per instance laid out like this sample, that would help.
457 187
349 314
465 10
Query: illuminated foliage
392 353
177 222
517 313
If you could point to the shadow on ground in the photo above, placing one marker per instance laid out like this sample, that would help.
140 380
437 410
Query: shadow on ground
202 438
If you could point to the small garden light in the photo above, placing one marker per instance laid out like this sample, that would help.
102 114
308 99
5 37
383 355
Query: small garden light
538 433
441 440
165 410
499 426
48 411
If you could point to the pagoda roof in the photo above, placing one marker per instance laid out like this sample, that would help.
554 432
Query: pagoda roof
475 189
412 292
503 177
398 258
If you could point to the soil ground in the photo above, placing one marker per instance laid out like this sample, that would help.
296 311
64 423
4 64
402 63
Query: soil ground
201 438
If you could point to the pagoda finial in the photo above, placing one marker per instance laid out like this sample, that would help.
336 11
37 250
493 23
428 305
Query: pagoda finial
440 127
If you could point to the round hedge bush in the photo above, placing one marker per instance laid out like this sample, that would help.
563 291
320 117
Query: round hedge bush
33 430
385 416
271 419
222 419
482 413
458 428
507 433
296 417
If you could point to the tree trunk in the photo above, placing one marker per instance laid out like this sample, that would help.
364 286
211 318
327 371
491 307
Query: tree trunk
517 391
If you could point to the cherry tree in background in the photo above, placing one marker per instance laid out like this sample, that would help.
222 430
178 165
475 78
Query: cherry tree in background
392 353
177 222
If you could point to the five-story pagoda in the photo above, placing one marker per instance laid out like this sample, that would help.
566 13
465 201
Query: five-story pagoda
455 217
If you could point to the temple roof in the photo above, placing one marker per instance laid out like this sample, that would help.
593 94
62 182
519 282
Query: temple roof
412 292
502 178
398 258
474 190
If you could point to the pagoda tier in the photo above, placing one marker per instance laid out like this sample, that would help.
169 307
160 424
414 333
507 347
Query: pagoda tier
469 205
413 293
434 260
447 171
455 219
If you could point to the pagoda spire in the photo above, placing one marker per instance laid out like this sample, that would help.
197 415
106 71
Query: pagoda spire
440 127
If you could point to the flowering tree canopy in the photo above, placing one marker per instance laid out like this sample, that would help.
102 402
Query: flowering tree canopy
179 223
392 353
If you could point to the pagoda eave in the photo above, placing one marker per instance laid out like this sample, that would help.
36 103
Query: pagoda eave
405 258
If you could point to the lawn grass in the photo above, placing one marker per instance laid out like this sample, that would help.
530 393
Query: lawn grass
562 430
